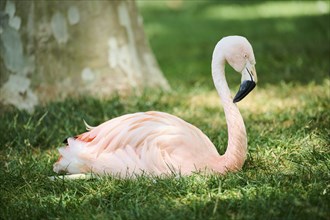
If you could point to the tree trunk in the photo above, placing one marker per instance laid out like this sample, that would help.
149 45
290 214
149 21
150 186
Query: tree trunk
52 49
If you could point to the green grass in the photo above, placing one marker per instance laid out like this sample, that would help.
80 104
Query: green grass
287 173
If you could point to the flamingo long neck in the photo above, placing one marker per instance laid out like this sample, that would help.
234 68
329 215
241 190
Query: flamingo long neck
236 152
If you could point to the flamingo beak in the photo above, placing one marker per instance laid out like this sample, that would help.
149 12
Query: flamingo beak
248 82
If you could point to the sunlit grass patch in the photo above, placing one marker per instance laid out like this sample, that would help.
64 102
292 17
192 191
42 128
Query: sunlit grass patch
268 99
267 10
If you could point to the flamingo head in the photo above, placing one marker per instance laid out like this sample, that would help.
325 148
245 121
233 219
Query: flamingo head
239 54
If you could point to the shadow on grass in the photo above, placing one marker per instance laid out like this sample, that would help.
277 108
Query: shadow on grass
239 196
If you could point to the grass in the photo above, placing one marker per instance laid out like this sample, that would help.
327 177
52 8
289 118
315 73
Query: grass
287 173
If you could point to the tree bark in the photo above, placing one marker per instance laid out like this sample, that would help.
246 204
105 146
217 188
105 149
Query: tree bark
52 49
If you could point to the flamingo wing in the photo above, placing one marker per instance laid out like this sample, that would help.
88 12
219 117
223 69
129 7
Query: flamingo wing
151 142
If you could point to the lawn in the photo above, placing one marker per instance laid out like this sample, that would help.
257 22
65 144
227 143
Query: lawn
287 173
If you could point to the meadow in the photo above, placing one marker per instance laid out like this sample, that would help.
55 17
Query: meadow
287 173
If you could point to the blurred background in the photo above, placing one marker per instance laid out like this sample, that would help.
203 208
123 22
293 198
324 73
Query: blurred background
291 39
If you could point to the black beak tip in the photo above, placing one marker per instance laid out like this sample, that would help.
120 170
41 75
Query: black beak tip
245 88
234 101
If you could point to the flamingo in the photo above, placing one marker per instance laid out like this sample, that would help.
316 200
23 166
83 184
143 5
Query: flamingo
158 143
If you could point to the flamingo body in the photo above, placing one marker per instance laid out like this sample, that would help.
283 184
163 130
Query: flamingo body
145 142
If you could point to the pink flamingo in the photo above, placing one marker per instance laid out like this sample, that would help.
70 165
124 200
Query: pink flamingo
157 143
